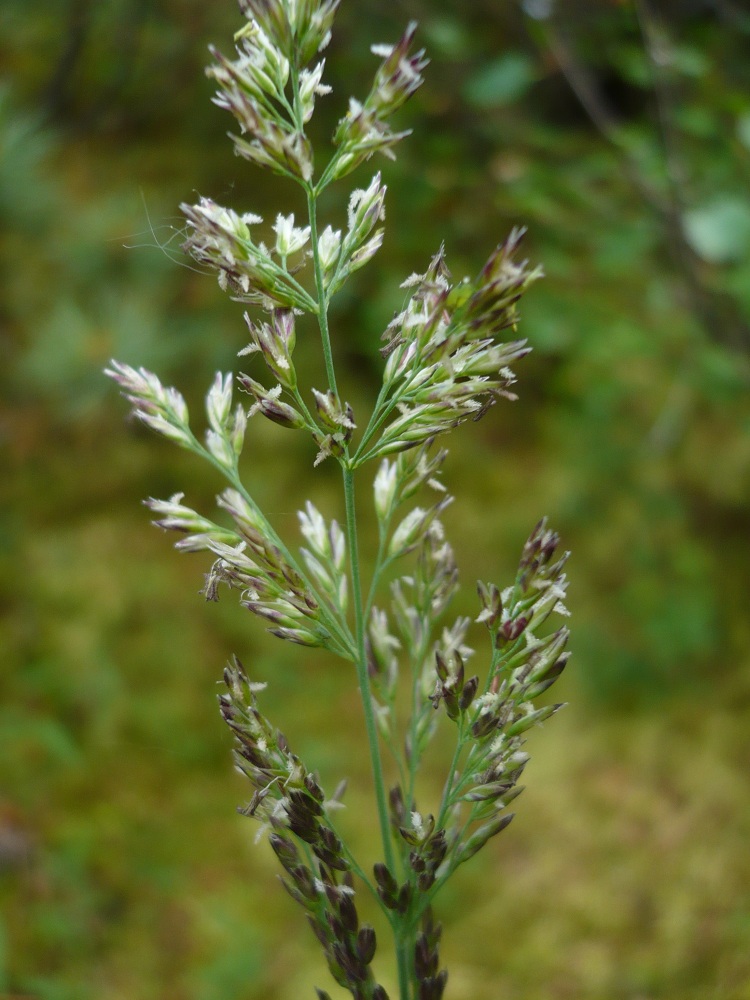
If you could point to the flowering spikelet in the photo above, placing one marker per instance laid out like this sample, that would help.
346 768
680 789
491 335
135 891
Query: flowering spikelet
365 129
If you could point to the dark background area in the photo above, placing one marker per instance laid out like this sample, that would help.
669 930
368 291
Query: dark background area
620 135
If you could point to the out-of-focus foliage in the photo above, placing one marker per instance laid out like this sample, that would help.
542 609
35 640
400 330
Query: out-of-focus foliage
622 140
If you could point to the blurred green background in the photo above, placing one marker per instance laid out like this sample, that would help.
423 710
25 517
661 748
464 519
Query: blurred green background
621 137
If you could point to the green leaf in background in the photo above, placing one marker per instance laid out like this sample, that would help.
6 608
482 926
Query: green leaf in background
689 60
448 37
719 230
632 63
501 81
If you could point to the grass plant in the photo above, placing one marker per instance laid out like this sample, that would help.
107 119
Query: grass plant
446 358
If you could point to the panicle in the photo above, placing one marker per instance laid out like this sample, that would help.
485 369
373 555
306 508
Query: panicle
447 359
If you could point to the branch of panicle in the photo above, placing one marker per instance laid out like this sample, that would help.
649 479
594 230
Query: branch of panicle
293 810
445 363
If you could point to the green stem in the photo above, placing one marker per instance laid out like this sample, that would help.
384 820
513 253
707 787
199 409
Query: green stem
418 656
312 425
363 679
359 458
290 283
322 312
447 791
381 567
325 178
362 675
355 866
383 408
403 942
